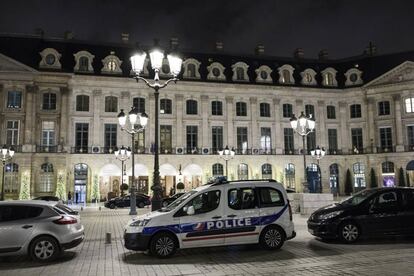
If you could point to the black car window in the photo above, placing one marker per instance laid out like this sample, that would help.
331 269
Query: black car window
387 201
240 199
409 200
202 203
11 213
270 197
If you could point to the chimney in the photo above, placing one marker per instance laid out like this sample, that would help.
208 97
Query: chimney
371 49
259 49
299 53
173 43
125 37
68 35
323 54
219 46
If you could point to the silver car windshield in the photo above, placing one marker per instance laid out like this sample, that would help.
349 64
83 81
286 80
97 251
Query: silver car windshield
178 201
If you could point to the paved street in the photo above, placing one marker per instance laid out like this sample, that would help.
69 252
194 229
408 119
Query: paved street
303 255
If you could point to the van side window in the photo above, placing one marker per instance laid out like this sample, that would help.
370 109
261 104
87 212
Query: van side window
203 203
240 199
270 197
11 213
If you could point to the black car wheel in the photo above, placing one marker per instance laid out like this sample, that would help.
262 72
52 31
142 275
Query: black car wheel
112 206
272 238
141 205
44 249
349 232
163 245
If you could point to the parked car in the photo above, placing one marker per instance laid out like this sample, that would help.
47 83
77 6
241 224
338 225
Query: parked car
38 228
142 200
369 213
48 198
167 200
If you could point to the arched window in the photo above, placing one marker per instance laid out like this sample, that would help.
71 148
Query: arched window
111 104
191 68
240 73
241 109
329 79
191 106
139 103
388 174
266 171
82 103
359 175
290 176
243 172
286 76
83 64
11 178
46 178
387 167
165 106
218 169
334 178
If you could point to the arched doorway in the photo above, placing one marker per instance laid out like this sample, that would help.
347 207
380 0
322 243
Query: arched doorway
359 176
266 171
141 178
109 181
168 175
243 171
410 173
290 176
314 178
192 176
334 178
388 174
80 183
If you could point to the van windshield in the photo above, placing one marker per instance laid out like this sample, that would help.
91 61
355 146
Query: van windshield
358 197
178 201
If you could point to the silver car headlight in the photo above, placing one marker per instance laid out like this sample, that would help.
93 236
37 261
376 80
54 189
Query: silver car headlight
139 223
330 215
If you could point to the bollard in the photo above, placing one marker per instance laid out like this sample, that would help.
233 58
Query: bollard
108 238
99 208
81 208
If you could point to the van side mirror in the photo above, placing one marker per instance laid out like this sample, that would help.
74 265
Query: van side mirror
190 210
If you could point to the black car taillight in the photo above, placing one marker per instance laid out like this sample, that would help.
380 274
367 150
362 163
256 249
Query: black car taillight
65 220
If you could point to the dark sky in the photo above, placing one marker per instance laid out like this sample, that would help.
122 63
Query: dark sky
343 27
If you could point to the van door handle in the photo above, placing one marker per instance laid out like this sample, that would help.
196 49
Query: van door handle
27 226
231 216
216 217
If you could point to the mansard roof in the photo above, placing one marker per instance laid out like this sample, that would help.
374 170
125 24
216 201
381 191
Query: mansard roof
25 49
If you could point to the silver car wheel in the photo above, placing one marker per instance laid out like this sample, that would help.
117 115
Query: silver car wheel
44 250
350 232
273 238
164 246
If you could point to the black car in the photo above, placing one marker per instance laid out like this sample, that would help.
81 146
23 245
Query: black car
125 201
167 200
47 198
369 213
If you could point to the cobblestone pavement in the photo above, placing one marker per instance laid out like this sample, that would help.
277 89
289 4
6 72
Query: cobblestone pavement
303 255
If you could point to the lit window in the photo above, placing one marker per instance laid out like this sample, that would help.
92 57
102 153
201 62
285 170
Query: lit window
409 105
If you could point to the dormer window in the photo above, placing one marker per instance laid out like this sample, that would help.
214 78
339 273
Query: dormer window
191 69
83 62
112 64
308 77
329 77
286 74
216 72
50 59
263 74
240 71
353 77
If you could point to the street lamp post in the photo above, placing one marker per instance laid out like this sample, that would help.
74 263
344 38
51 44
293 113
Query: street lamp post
318 154
137 62
122 154
137 124
303 126
6 154
227 155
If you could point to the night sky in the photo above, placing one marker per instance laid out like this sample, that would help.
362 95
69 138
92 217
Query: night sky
343 27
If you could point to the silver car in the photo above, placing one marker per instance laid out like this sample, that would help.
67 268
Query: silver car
40 229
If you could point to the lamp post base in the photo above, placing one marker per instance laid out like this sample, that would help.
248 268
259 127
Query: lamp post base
156 198
133 203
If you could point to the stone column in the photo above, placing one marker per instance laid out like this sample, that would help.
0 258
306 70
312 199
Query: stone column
230 127
63 144
370 140
97 138
277 131
205 122
30 119
398 124
344 142
178 137
320 125
254 132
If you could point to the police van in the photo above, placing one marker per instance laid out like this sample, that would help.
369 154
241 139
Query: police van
216 214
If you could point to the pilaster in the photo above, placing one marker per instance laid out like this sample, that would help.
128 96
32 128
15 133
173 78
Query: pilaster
204 124
398 123
178 137
230 126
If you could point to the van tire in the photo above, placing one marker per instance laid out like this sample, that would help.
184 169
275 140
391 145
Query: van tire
163 245
272 237
44 249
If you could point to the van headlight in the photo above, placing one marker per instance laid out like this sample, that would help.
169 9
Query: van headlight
139 223
330 215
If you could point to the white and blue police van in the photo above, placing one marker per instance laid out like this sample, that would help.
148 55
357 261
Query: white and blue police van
216 214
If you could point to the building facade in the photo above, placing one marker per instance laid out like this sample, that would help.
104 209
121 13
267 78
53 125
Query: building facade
60 100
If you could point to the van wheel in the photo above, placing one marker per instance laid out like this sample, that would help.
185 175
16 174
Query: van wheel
163 245
272 238
141 205
349 232
44 249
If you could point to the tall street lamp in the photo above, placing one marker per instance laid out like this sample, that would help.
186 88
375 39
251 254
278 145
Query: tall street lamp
227 155
318 154
6 155
303 126
122 154
137 123
175 63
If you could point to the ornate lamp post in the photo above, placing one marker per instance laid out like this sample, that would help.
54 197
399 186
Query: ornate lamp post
6 154
122 154
227 155
318 154
157 57
137 123
303 126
